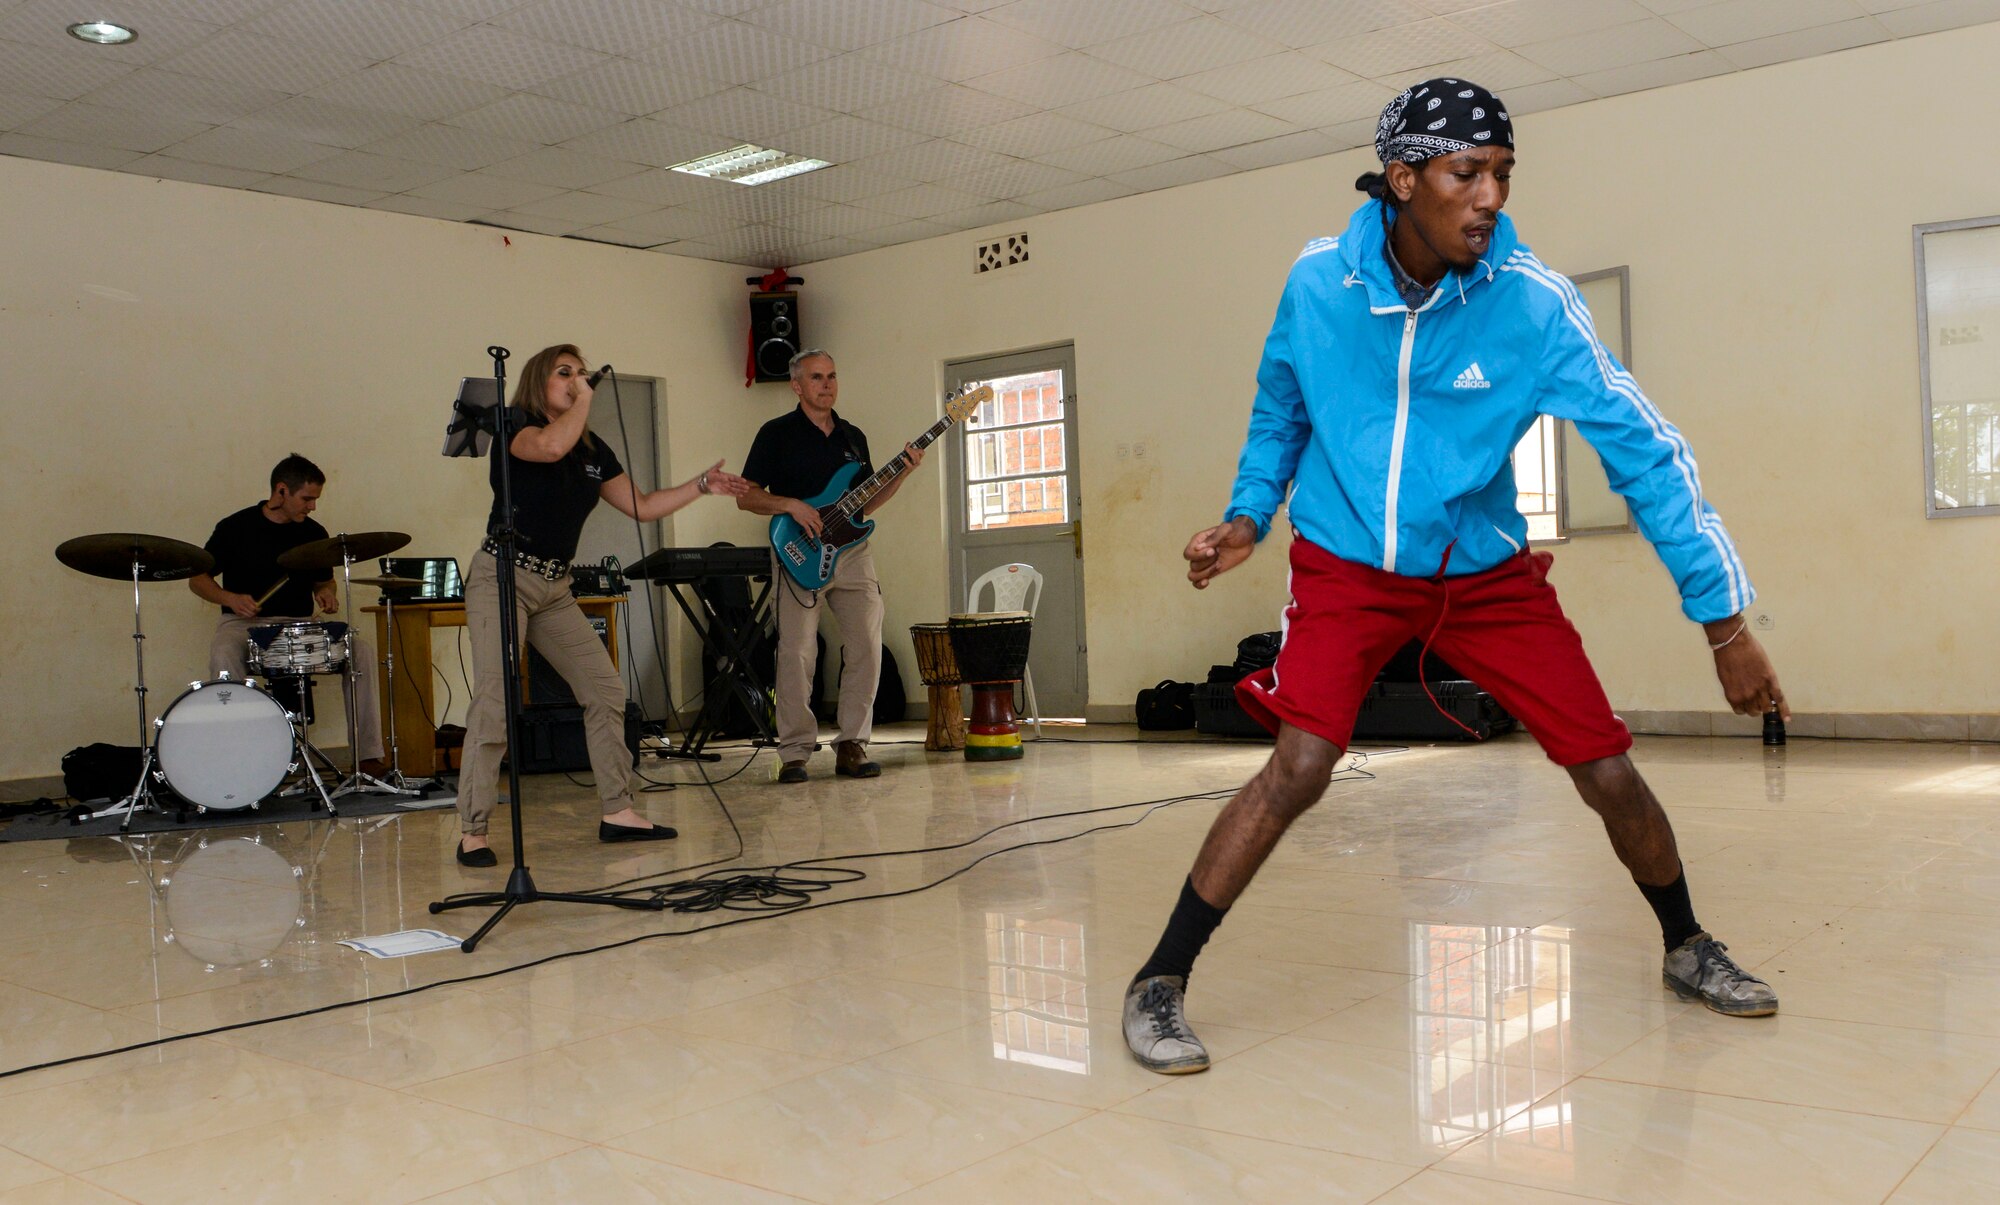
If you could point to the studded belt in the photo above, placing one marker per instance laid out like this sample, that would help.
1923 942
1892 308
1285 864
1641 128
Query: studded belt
542 567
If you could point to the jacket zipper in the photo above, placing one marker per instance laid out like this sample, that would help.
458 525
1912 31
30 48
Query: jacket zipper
1396 443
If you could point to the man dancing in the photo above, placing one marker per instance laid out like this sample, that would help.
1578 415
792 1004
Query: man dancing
1408 358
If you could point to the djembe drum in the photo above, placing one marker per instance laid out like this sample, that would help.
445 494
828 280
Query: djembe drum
938 669
992 652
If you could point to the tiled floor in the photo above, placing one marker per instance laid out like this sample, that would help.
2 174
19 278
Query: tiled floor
1442 989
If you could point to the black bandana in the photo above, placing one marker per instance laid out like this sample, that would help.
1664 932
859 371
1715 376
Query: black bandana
1438 117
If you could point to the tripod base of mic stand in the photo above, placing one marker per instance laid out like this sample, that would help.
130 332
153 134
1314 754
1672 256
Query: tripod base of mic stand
521 889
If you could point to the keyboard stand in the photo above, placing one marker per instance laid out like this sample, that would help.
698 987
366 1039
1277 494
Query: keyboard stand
735 679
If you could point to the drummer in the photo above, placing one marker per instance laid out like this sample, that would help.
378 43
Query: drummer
253 590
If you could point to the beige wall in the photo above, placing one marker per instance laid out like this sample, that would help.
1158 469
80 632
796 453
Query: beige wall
1766 218
166 343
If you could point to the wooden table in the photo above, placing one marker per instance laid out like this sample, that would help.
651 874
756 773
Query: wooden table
415 698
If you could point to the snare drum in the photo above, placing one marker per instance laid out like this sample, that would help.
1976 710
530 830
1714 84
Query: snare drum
938 670
299 648
992 653
223 745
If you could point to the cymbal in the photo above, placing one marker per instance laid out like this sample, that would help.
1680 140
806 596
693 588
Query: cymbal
389 583
112 553
331 552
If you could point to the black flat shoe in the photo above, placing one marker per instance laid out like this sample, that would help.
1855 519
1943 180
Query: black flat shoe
614 833
477 857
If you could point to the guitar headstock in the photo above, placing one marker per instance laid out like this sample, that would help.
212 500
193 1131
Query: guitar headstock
965 403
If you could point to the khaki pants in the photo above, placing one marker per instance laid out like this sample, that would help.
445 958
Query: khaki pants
855 598
228 651
547 617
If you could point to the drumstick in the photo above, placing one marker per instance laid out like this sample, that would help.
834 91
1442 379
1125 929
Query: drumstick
266 596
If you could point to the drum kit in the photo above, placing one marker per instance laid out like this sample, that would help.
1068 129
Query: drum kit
226 745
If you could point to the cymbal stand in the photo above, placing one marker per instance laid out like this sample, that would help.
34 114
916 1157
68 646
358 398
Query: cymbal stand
357 782
398 781
142 791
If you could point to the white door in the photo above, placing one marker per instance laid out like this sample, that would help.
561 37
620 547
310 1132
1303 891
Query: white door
1016 497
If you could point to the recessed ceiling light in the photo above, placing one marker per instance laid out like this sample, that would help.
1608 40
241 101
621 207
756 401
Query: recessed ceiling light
104 33
748 164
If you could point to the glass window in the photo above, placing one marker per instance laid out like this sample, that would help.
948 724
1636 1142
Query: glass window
1958 281
1016 461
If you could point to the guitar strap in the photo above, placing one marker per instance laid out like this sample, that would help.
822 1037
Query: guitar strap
853 444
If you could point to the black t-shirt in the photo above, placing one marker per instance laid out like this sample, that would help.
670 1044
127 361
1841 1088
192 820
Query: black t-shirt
551 501
246 547
792 458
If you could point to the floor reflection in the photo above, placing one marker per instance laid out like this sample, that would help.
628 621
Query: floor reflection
1035 973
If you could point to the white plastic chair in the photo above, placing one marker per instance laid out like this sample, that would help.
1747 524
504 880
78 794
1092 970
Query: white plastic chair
1016 587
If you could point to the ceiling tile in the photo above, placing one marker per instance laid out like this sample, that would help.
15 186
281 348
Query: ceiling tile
118 129
934 160
690 249
1805 43
1083 192
1298 23
628 87
154 91
46 23
1142 108
18 110
585 208
1066 79
1535 98
622 27
537 119
1035 136
424 207
845 182
744 115
834 220
165 168
959 50
1658 73
450 146
1748 20
528 223
1349 102
847 138
361 169
1172 174
612 234
1519 22
992 213
676 223
923 201
906 232
489 192
1286 148
1946 14
215 12
1010 179
564 168
1120 153
1403 48
56 74
52 151
654 143
1077 25
832 248
325 122
1219 130
1603 49
848 26
951 109
1496 71
1268 78
424 94
247 58
466 10
252 150
734 53
374 31
847 84
1192 46
1347 134
662 187
750 204
316 190
494 56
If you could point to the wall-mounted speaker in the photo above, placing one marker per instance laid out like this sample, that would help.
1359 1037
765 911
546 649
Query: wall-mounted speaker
774 334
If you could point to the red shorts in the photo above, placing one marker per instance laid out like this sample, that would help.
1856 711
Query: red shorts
1502 628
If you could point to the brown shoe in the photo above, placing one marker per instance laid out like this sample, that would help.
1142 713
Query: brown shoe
792 771
851 759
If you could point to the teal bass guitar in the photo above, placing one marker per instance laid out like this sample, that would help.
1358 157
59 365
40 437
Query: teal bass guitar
810 561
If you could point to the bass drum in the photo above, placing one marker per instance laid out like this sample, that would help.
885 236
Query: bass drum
224 745
233 902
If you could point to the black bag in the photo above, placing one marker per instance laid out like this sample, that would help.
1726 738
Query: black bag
1224 675
1167 707
101 771
1257 651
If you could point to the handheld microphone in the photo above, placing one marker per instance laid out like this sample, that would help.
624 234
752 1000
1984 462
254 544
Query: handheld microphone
597 376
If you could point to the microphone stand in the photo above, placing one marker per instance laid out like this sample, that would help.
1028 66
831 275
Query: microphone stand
520 887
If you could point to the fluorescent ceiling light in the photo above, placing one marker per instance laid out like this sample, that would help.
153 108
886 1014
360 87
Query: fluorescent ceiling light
748 164
104 33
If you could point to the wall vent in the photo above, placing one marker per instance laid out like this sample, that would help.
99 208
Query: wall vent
1000 253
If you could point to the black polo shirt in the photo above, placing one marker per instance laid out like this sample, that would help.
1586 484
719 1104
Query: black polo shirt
246 546
792 458
551 501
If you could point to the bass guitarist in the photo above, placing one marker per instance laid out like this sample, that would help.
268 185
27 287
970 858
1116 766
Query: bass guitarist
795 457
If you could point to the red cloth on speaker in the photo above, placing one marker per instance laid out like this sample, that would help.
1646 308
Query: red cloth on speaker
773 281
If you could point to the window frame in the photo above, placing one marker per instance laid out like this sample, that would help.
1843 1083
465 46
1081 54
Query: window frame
1927 414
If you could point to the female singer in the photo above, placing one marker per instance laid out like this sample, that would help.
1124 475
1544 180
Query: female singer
559 472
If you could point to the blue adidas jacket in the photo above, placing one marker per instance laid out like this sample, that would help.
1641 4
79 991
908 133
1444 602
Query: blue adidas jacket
1394 427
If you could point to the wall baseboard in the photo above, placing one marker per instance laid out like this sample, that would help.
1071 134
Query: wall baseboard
1873 726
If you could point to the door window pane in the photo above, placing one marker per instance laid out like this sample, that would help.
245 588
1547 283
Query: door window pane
1016 458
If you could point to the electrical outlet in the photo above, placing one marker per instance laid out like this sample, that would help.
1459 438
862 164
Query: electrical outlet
1124 451
1763 622
1139 451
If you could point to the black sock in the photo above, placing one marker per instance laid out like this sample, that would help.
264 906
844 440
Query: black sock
1670 903
1187 932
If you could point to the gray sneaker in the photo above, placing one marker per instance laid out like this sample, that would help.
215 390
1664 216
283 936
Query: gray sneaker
1156 1027
1701 970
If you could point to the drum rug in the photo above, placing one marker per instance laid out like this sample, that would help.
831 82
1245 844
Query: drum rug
275 810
